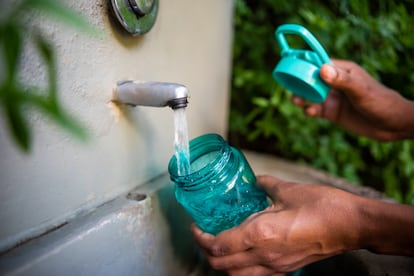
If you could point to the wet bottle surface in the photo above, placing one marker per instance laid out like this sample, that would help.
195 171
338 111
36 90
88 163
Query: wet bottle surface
220 191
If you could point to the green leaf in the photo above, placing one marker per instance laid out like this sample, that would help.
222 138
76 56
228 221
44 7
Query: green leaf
18 125
10 37
261 102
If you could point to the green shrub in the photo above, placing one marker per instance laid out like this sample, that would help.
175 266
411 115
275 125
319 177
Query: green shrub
377 35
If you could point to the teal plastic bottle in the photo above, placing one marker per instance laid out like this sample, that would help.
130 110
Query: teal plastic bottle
220 191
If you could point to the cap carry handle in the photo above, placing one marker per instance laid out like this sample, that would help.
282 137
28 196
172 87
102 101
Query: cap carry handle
306 36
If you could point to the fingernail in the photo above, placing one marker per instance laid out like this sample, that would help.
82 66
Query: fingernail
329 72
311 111
296 100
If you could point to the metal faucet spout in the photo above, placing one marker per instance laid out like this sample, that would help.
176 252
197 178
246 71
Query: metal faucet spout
148 93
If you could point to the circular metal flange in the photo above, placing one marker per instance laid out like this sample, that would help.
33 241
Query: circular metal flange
136 16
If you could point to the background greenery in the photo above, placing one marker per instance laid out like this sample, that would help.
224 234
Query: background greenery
377 35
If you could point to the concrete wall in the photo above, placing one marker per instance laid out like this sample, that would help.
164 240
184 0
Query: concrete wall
62 178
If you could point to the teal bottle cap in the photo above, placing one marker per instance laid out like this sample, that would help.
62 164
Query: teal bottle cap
298 69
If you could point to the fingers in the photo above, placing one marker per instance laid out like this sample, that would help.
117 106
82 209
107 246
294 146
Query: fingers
237 262
298 101
333 76
349 78
254 270
225 253
246 262
311 110
226 243
204 239
345 76
330 74
314 110
272 185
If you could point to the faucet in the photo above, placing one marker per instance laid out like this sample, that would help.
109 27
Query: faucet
149 93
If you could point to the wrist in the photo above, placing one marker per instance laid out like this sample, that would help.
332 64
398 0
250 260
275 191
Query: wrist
386 228
410 116
407 129
350 232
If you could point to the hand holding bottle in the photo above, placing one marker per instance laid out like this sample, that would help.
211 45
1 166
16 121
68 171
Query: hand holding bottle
307 223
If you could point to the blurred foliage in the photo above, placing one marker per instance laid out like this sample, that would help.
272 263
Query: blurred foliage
17 98
377 35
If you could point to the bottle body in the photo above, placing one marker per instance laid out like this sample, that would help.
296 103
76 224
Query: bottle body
220 191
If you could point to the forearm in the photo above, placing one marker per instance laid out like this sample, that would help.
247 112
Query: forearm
408 116
387 228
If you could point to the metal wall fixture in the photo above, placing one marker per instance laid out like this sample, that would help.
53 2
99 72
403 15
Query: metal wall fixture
136 16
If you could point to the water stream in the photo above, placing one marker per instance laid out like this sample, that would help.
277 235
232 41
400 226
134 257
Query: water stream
181 143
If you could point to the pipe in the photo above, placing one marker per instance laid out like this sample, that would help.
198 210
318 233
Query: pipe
148 93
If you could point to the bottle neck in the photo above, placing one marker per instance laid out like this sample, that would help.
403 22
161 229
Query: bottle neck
210 158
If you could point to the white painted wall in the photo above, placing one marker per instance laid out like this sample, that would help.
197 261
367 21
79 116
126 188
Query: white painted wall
62 177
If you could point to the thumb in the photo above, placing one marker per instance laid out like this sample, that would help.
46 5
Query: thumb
271 185
347 77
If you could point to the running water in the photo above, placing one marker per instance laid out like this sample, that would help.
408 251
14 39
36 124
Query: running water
181 144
